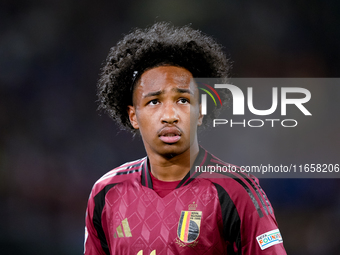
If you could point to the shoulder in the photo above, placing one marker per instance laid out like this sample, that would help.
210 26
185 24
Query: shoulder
246 212
242 188
126 172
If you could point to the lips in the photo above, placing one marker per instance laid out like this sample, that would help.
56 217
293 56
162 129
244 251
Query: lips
170 134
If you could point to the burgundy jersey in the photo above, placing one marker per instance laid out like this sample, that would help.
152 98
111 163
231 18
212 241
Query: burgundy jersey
229 215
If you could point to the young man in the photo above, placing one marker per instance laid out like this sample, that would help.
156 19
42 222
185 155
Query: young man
153 205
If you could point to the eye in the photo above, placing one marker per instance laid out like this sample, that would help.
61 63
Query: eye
183 101
153 102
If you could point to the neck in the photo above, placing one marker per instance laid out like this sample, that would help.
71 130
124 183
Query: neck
175 168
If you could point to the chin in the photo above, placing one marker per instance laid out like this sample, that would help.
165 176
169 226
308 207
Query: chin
172 150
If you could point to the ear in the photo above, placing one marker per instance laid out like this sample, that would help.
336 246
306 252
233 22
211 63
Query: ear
200 116
132 116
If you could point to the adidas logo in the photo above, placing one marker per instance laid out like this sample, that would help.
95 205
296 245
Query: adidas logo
123 226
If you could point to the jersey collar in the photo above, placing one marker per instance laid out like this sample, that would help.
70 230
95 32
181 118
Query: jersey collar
199 161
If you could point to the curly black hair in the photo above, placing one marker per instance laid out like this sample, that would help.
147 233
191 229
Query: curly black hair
143 49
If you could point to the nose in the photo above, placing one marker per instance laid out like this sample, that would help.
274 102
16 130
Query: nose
170 114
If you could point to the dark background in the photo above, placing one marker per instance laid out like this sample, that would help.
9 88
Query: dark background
54 145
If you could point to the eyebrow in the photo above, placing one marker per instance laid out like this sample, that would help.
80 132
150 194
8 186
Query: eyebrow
178 90
160 92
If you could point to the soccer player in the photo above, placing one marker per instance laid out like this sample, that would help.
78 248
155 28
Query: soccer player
153 205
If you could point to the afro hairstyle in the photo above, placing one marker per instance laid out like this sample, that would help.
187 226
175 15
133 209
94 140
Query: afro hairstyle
143 49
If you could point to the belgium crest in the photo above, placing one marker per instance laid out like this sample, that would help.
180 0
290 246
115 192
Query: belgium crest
189 226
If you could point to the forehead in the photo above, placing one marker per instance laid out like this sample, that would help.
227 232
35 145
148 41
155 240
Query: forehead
164 77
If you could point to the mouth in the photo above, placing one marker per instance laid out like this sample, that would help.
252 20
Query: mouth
170 135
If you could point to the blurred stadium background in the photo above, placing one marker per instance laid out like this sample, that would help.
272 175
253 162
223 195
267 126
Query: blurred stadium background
54 145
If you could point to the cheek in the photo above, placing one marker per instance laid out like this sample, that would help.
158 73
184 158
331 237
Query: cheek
195 119
194 112
144 119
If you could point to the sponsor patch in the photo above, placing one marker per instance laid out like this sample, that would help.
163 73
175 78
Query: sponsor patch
269 239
